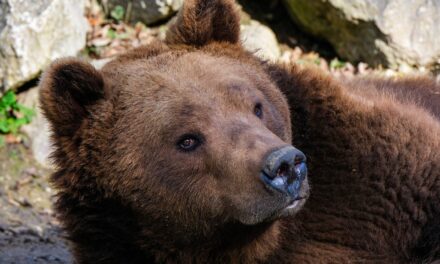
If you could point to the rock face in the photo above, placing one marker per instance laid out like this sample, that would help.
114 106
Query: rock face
33 33
146 11
389 32
260 39
38 130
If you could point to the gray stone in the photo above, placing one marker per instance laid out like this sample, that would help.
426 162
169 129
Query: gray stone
145 11
388 32
260 40
38 130
34 33
99 64
4 9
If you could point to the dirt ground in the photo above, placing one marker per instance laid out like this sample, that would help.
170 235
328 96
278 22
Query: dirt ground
29 232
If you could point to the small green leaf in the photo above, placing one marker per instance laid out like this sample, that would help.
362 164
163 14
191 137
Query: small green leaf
317 61
336 64
111 34
9 98
27 112
117 13
92 50
14 124
20 121
4 127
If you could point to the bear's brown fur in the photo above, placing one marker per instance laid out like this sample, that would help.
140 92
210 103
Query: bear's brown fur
414 90
127 195
375 172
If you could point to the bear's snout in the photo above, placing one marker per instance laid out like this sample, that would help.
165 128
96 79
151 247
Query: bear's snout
285 170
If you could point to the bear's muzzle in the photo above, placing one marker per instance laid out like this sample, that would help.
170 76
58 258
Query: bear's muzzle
285 170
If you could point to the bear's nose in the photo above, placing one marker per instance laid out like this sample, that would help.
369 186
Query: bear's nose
285 169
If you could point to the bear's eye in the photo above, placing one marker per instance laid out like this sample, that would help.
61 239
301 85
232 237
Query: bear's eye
258 110
189 142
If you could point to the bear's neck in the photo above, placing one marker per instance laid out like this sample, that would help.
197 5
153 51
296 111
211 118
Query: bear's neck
233 243
122 240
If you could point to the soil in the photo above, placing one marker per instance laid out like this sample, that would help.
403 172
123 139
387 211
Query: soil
29 232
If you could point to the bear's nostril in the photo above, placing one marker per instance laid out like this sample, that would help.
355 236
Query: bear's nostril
299 158
283 170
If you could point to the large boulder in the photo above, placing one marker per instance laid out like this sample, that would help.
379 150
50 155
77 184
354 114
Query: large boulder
389 32
34 33
260 40
38 130
146 11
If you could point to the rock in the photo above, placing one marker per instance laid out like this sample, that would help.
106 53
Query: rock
261 40
34 33
145 11
98 64
4 9
38 130
388 32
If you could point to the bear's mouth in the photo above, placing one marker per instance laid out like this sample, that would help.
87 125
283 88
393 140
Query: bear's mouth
294 203
290 208
293 207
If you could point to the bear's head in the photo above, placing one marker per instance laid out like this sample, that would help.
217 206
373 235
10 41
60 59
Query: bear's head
175 143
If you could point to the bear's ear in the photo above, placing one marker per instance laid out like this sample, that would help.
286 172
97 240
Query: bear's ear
203 21
68 90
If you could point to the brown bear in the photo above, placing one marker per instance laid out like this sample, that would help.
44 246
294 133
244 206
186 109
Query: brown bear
182 152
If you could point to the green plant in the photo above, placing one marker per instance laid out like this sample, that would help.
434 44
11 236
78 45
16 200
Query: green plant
117 13
111 33
12 114
317 61
337 64
91 51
